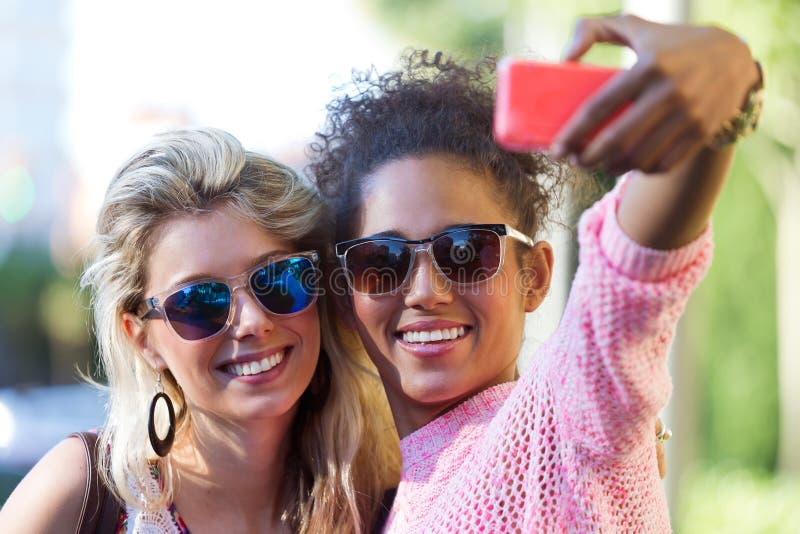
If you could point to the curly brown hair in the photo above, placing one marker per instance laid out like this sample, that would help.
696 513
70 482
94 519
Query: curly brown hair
434 104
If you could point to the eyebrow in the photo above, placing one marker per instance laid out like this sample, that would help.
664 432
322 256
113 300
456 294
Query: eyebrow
202 275
396 233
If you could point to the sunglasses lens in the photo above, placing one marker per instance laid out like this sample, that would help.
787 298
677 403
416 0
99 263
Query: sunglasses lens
287 286
377 267
468 256
198 311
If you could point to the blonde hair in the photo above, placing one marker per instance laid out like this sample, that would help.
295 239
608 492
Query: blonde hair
345 456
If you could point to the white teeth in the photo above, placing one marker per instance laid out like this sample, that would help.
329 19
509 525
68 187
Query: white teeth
255 367
424 336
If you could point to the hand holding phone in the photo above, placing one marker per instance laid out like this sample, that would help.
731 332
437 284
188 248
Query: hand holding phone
534 100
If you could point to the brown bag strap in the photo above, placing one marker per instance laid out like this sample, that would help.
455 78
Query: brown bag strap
100 512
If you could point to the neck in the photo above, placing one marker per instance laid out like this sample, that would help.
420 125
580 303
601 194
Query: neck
225 469
411 414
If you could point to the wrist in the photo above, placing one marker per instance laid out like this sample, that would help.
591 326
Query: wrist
746 119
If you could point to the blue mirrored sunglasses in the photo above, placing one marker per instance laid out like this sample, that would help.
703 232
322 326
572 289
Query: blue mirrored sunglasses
201 309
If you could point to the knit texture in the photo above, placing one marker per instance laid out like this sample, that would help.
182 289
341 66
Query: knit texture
570 446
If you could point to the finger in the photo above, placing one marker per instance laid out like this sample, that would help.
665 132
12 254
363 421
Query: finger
618 91
588 31
657 144
623 136
660 455
689 144
654 146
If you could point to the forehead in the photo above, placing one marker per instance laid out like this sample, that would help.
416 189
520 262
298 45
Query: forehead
417 197
218 243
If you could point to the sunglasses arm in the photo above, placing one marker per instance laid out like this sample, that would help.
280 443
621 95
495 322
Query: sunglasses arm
151 310
519 236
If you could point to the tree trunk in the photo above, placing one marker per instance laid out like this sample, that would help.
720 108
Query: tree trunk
787 219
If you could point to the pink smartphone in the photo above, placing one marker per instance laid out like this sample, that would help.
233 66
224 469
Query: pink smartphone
534 100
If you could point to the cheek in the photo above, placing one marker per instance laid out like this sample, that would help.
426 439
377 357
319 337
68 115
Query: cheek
188 362
501 307
372 314
372 318
306 325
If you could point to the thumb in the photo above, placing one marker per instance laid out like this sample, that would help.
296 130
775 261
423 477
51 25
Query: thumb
614 29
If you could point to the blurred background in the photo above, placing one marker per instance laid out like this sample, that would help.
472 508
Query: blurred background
84 83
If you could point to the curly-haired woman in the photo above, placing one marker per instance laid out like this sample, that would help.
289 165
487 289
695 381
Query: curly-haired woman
436 229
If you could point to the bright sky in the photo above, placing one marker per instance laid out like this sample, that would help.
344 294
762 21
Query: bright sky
261 70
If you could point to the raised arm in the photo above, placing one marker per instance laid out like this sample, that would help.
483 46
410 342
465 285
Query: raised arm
687 82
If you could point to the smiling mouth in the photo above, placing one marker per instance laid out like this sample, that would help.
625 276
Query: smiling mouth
257 366
433 336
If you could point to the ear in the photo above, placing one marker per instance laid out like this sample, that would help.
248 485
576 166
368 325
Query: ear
537 273
138 335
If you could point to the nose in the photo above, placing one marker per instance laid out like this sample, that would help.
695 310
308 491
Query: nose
427 288
249 318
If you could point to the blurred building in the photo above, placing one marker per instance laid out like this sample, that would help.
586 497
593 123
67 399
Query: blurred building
33 168
34 173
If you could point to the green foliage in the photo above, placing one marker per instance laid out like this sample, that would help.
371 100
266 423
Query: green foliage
736 307
741 368
727 500
473 27
23 278
43 328
476 28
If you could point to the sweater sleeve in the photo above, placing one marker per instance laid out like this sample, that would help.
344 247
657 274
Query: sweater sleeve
606 362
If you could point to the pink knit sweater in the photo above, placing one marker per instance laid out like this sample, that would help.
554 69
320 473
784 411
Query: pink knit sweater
569 447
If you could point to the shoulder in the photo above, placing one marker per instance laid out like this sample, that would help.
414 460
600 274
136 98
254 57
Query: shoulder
50 497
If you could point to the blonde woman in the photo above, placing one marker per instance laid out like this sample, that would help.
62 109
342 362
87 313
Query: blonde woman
206 299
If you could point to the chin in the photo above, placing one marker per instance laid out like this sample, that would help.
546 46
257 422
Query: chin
436 391
271 408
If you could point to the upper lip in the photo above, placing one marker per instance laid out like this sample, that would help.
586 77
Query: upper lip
437 324
255 356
